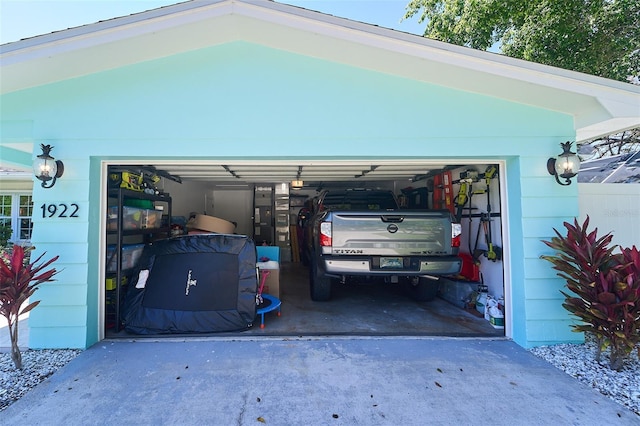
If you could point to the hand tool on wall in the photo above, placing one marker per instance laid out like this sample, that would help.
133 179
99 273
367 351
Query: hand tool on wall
493 253
465 191
476 253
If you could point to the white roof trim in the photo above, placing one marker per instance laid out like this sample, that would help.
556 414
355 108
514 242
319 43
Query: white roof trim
599 106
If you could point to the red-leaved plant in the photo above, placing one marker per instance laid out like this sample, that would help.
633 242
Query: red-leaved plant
18 281
605 288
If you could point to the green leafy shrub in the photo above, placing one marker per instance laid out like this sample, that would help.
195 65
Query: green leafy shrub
18 281
605 288
5 234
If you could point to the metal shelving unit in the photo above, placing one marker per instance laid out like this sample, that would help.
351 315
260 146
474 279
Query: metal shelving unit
120 194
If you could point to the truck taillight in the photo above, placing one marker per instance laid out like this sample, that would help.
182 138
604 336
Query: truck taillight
456 232
325 234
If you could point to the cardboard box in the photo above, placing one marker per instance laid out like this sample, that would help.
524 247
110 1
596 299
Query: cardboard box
272 284
211 224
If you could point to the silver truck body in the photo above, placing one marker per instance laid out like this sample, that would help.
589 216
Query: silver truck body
389 242
403 243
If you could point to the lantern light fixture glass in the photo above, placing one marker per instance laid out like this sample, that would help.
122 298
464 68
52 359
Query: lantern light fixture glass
565 166
46 168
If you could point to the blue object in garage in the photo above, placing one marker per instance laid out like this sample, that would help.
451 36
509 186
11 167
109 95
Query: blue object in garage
269 303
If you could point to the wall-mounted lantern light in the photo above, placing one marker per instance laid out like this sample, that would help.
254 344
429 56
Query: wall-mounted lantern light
565 165
46 168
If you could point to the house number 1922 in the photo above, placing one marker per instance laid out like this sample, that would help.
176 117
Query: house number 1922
60 210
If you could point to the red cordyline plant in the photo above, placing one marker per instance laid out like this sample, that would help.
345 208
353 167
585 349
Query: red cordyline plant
605 288
18 281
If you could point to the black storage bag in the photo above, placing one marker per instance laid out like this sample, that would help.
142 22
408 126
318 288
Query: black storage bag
196 284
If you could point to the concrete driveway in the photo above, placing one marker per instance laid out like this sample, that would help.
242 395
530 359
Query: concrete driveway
313 381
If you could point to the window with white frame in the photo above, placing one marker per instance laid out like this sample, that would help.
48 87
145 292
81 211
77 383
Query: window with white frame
15 212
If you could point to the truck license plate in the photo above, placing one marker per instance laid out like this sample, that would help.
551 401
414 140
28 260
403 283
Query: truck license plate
391 263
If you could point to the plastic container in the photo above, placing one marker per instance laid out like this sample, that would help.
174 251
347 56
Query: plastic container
130 256
456 292
481 301
470 270
136 202
151 219
497 321
131 218
496 318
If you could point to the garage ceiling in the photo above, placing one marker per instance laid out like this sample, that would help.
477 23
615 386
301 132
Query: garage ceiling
312 173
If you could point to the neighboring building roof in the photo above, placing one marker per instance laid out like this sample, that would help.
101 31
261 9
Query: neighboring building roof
599 106
623 168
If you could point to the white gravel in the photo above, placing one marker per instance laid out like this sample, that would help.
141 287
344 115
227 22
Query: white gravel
579 362
38 365
576 360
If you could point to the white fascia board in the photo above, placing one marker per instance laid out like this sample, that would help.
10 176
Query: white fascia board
105 32
606 127
154 19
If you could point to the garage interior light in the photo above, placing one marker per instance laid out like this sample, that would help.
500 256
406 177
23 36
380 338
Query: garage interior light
565 166
46 168
297 184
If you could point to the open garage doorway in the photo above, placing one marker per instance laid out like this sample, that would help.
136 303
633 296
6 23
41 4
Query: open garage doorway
264 201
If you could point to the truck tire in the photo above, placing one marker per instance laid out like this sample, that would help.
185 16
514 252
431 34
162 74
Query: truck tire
425 290
319 285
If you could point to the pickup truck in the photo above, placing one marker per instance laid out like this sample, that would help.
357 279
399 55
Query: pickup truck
363 233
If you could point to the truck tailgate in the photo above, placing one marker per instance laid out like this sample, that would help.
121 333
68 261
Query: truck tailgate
391 234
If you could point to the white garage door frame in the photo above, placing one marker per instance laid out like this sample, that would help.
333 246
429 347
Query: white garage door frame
427 163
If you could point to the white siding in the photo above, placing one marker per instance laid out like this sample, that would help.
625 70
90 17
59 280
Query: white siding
612 208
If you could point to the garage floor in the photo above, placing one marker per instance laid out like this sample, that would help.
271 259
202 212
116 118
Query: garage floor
373 309
365 309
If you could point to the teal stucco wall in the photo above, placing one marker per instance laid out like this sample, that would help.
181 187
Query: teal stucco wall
242 101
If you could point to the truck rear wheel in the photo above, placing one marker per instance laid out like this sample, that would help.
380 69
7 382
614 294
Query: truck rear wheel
425 290
319 285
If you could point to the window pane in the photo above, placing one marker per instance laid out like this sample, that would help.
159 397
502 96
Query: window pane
26 206
24 215
26 227
5 205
